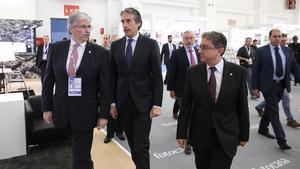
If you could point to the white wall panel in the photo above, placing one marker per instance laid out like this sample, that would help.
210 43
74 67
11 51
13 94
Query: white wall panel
46 9
17 9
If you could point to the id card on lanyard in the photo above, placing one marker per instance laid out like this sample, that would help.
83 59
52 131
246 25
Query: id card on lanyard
74 86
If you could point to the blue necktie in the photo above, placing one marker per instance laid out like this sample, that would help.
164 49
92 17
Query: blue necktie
279 68
128 53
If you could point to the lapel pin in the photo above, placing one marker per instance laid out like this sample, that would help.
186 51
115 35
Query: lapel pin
90 52
230 74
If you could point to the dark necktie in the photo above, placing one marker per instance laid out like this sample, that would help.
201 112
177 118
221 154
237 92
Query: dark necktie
279 68
128 53
212 83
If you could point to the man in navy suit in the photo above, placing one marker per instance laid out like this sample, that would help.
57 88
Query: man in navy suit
271 75
80 73
137 86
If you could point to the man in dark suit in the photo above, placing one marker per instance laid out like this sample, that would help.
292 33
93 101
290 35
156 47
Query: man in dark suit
295 46
137 85
42 56
214 111
165 54
80 73
182 58
271 75
246 55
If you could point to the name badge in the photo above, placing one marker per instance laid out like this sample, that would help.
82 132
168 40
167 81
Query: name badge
74 86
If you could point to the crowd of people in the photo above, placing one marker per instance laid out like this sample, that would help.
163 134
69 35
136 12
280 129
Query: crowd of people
120 84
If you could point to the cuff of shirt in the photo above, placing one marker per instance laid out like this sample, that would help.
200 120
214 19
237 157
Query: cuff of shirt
157 106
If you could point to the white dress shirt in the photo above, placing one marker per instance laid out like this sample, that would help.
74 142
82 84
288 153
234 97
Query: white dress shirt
80 51
283 59
170 49
189 55
218 75
45 51
133 43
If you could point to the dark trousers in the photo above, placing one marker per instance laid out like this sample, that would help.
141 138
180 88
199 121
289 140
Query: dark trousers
114 126
137 126
213 155
271 112
81 149
42 67
176 107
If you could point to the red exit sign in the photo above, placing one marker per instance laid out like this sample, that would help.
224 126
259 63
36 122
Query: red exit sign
69 9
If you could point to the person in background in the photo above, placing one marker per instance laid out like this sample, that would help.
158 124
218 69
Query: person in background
136 84
295 46
246 54
114 125
79 71
286 100
214 112
166 53
106 41
92 40
180 44
42 56
271 75
181 59
254 44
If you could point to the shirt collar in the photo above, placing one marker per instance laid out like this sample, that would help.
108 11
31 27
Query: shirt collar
218 66
272 46
187 49
73 43
134 38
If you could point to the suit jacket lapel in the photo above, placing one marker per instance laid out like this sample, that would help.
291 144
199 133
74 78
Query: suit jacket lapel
137 50
121 54
64 55
85 56
225 81
205 83
269 57
185 59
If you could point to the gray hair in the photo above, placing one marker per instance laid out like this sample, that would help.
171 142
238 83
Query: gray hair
217 39
75 17
136 13
189 32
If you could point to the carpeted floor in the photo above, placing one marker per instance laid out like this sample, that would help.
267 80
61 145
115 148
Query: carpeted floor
50 156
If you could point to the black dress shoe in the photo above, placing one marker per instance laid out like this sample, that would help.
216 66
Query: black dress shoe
188 149
267 134
259 111
107 139
284 146
121 136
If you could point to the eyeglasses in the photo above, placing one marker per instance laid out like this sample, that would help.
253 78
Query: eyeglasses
205 47
84 27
